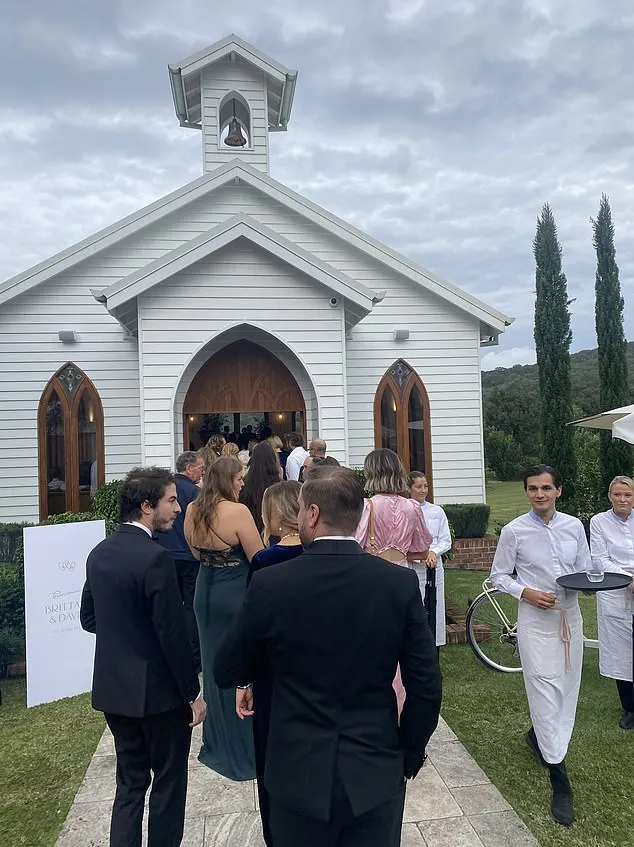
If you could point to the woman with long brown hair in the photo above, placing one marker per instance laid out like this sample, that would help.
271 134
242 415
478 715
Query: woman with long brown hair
264 470
222 534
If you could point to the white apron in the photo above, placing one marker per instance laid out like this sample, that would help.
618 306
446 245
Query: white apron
551 689
421 571
614 614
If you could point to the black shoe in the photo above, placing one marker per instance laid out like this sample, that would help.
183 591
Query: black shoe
561 809
627 721
531 740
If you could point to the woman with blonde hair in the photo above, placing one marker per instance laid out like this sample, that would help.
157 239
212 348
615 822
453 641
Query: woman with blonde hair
280 507
392 526
230 449
222 534
612 549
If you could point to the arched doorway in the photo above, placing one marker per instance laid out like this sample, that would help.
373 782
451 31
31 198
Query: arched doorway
242 387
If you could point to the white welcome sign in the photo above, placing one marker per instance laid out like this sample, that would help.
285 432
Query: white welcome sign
59 654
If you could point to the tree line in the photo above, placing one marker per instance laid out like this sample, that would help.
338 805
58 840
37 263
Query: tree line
527 408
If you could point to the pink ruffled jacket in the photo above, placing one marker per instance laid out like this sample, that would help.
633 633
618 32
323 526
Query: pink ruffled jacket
398 523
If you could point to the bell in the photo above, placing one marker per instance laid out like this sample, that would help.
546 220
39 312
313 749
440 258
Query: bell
234 136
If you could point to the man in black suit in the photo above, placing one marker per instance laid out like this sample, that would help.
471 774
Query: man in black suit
332 625
144 677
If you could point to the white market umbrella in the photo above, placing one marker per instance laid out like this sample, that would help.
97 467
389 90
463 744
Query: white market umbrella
620 421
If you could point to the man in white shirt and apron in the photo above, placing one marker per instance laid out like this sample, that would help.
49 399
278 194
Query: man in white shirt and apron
541 546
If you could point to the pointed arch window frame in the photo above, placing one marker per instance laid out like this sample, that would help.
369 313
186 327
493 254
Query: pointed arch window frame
401 378
243 114
70 400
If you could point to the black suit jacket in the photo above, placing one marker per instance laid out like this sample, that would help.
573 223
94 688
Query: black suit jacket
333 624
143 659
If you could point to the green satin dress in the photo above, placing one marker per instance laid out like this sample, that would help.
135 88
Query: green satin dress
227 741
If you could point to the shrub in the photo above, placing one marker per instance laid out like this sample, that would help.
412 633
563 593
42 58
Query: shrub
11 542
105 503
12 649
503 454
469 520
11 599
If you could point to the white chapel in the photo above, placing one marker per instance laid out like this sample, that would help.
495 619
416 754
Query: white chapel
233 301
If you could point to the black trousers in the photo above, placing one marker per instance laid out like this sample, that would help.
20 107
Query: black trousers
157 745
380 827
626 694
186 574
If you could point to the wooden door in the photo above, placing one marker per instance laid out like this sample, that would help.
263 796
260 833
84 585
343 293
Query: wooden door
243 377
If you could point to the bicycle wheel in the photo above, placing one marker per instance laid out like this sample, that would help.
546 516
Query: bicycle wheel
492 639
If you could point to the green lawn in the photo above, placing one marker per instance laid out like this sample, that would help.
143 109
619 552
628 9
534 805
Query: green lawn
507 500
44 753
488 712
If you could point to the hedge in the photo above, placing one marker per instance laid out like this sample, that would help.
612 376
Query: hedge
469 520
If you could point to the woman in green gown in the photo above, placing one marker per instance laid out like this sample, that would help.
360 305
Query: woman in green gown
222 535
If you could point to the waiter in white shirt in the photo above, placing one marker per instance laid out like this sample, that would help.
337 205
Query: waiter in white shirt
612 546
297 455
541 546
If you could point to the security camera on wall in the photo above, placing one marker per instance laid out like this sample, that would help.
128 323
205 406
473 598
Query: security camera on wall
334 302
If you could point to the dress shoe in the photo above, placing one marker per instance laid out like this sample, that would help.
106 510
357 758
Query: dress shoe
627 721
531 740
561 807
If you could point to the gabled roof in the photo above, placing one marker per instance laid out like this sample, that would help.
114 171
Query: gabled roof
237 170
186 75
117 296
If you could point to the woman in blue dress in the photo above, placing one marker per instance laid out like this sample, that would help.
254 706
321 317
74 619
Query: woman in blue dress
279 514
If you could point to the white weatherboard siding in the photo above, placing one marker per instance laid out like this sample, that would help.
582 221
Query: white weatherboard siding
240 284
30 354
443 348
217 81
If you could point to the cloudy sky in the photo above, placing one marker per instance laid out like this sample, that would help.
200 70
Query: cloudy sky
439 127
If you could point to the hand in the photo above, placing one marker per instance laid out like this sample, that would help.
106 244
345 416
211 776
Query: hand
199 710
413 763
244 703
539 599
431 560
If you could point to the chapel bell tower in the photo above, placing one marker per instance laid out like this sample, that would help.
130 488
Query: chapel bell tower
235 95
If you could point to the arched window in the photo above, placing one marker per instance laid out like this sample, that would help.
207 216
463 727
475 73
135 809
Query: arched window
70 443
401 418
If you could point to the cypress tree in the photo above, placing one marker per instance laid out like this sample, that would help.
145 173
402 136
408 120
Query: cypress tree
552 342
615 457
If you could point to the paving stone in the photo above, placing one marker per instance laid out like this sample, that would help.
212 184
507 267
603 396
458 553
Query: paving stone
411 836
235 830
102 767
456 767
208 793
451 832
443 732
106 744
428 797
93 790
479 799
87 825
502 829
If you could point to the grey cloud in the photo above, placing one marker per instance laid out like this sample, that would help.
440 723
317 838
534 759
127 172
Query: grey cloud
441 128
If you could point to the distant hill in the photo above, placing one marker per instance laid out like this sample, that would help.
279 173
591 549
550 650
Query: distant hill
584 379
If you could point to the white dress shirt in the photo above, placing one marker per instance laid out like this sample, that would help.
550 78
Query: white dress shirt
295 462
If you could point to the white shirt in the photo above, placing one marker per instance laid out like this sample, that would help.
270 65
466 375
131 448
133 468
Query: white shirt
140 526
295 463
539 553
612 542
438 526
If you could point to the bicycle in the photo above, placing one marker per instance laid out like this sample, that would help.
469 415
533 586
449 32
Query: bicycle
491 628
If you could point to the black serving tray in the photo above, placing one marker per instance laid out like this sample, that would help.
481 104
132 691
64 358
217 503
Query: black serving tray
580 582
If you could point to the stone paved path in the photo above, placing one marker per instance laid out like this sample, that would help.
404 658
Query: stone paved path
450 804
